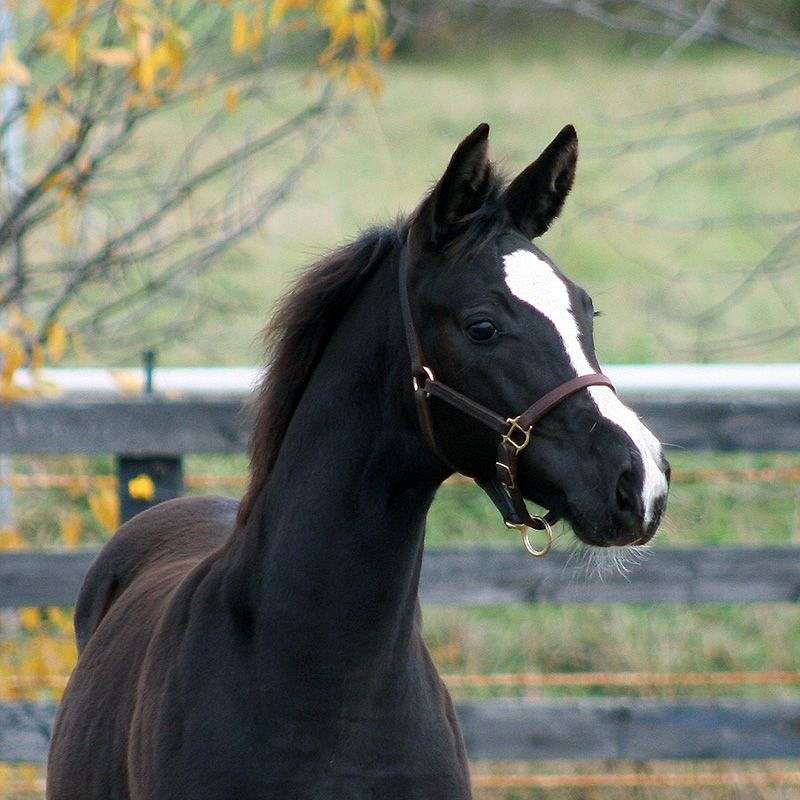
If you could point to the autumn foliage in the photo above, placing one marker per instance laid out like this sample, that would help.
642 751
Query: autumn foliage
91 233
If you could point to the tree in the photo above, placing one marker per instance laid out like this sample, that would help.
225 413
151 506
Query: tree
90 236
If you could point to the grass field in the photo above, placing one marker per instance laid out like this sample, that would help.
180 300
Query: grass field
664 274
651 282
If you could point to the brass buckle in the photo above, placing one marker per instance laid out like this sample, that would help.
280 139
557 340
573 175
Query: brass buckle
415 379
515 428
524 529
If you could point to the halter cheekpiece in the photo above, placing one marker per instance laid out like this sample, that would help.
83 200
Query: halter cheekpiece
502 487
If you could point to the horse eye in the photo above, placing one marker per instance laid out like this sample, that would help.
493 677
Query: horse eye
482 330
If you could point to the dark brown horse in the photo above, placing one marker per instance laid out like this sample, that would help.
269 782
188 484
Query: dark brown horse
272 648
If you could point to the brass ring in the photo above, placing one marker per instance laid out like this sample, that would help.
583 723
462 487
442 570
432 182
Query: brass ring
548 531
524 530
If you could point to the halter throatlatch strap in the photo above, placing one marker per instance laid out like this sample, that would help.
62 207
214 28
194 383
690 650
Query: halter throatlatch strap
515 433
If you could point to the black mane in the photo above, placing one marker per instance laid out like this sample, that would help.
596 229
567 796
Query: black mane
296 337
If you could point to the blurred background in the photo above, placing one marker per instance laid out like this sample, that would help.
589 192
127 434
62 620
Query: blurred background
167 169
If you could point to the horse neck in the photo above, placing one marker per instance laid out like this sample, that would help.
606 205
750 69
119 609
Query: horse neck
330 557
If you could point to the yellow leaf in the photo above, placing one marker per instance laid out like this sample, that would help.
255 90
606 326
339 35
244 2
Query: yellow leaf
112 57
145 74
56 342
59 11
12 70
11 540
341 31
375 9
71 529
161 57
145 67
37 356
363 33
277 13
232 100
386 49
142 488
35 113
104 504
175 47
12 354
61 619
239 37
71 50
330 12
30 619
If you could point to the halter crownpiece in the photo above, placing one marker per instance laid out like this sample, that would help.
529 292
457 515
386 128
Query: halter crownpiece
515 432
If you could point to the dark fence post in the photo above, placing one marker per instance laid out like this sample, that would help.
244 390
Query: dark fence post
145 481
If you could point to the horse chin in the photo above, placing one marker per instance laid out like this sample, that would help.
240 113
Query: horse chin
592 527
592 522
591 531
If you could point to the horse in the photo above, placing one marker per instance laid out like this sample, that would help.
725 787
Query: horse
272 648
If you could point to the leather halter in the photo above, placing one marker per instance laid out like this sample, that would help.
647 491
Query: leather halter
515 432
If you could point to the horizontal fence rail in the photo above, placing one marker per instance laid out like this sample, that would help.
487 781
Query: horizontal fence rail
525 730
631 730
643 682
146 426
484 576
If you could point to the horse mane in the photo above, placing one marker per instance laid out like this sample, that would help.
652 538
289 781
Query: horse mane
295 339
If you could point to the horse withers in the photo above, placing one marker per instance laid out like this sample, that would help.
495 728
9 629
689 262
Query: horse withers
272 648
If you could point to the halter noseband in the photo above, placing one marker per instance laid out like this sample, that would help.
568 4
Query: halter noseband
515 432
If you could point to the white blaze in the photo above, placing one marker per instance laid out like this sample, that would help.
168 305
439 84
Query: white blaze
534 281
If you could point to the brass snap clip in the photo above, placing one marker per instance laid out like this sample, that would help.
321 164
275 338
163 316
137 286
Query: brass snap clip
525 530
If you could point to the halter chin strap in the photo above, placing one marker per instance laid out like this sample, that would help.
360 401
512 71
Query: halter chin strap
502 486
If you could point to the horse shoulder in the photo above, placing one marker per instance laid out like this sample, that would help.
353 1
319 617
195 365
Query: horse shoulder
174 531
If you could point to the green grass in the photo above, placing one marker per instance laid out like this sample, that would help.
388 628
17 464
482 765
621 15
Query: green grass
650 282
603 638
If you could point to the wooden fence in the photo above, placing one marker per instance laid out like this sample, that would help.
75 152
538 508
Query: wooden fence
488 576
153 434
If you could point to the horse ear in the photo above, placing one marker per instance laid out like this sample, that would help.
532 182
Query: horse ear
536 196
460 191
